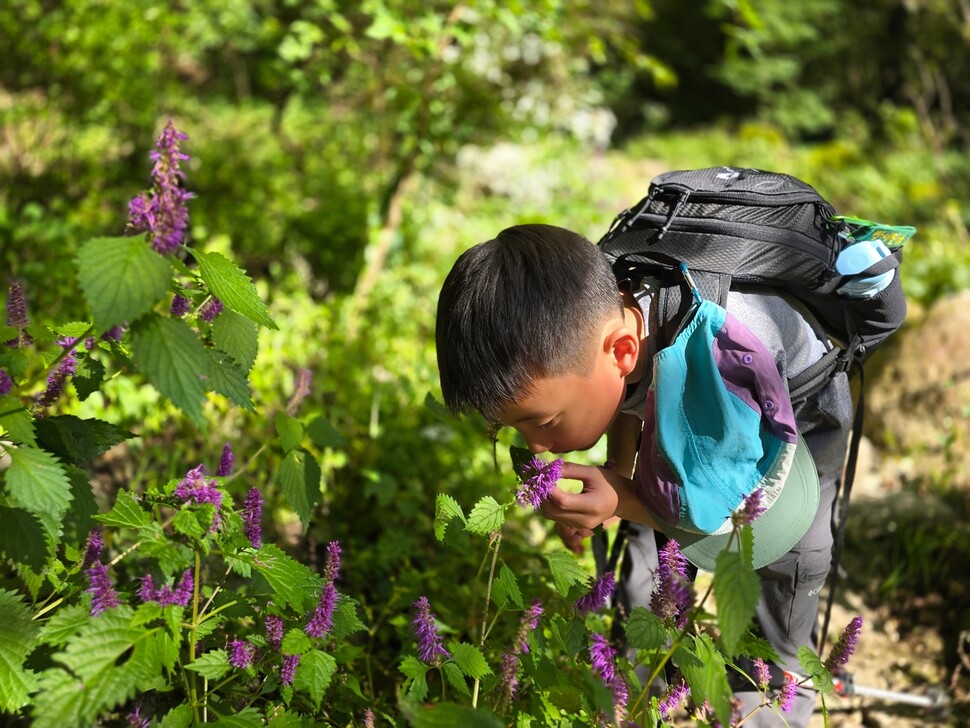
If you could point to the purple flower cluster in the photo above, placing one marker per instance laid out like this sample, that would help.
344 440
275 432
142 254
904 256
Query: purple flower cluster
92 548
751 509
786 698
57 378
180 306
226 462
241 654
676 694
600 590
103 595
6 383
163 213
538 481
194 488
251 516
430 645
210 309
762 673
17 315
509 675
322 620
180 596
673 595
368 718
274 631
603 662
288 668
528 622
137 720
845 646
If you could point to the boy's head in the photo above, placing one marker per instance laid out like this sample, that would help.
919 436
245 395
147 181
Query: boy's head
529 328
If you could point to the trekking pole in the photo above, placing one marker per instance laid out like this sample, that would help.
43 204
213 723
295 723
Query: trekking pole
845 686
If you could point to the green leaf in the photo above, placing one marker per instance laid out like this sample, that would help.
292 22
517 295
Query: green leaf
445 509
456 678
18 637
178 717
449 715
225 377
79 519
324 434
232 286
644 630
76 440
65 623
736 592
22 537
815 669
471 661
290 431
314 673
345 619
122 278
295 642
238 337
189 522
569 634
506 589
73 329
487 516
88 378
566 571
17 422
292 583
37 482
127 513
246 718
705 673
300 478
175 361
416 672
212 665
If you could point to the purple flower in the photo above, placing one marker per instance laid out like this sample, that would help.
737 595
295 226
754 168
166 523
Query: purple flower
322 620
193 488
288 668
331 567
113 334
183 593
762 673
538 480
16 306
136 720
180 306
92 548
241 654
430 647
602 657
673 595
510 680
529 621
368 718
274 631
600 590
786 698
210 309
6 383
675 695
103 594
163 214
845 646
751 508
57 378
226 462
166 596
251 516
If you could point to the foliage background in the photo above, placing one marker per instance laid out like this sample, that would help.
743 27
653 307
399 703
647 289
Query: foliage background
347 152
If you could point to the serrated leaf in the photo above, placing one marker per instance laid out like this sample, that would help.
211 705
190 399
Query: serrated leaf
178 717
232 286
37 482
292 583
88 378
471 661
314 673
18 637
295 642
445 509
79 519
73 329
22 537
212 665
122 278
127 513
487 516
175 361
300 478
345 619
227 378
706 675
506 589
737 589
569 634
65 623
324 434
76 440
456 678
566 571
192 523
16 422
644 630
815 669
448 715
289 429
416 672
246 718
238 337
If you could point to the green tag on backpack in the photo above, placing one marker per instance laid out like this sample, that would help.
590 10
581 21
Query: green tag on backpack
892 236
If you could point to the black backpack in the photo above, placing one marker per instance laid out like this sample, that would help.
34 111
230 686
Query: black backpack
703 232
734 227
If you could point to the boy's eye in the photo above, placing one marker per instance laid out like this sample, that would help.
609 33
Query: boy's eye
545 425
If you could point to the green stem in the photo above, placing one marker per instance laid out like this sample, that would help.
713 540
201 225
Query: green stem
494 545
193 687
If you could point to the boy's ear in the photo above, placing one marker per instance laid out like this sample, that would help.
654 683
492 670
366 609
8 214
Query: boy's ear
624 345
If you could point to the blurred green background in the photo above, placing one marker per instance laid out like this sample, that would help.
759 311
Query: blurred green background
344 154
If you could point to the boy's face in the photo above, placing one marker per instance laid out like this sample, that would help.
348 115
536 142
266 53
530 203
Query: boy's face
572 411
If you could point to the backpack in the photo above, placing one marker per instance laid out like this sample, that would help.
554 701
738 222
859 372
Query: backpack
735 227
703 232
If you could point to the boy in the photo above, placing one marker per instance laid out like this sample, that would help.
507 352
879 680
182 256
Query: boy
535 333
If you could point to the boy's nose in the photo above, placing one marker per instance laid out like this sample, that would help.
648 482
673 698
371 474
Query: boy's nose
538 448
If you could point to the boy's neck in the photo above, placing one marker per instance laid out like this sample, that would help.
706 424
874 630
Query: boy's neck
632 308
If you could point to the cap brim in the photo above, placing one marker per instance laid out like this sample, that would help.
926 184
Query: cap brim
775 531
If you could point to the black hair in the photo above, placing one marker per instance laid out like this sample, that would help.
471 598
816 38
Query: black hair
523 306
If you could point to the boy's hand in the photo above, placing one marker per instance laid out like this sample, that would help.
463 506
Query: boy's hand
572 537
586 510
